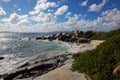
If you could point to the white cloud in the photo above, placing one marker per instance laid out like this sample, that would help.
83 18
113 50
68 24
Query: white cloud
108 19
2 11
75 16
15 22
23 22
74 22
62 1
46 22
61 10
42 5
34 12
43 18
19 9
15 19
95 7
111 18
6 0
84 3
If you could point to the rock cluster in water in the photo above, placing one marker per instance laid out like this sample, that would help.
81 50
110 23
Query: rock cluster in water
64 37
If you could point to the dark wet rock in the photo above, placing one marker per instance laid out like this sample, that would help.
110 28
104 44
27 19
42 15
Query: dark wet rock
38 38
23 65
63 37
41 38
51 37
1 58
14 74
48 37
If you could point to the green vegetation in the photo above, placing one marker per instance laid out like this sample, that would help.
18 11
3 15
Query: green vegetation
104 35
100 62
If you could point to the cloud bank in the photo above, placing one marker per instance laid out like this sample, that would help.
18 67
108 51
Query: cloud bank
44 18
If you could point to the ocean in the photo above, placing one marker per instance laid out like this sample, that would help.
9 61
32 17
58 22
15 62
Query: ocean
19 46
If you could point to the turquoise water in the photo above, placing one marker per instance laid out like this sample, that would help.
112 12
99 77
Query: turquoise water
16 46
25 45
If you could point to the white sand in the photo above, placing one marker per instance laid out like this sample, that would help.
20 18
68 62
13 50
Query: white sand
78 47
96 42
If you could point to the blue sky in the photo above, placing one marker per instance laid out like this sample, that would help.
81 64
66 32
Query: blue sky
59 15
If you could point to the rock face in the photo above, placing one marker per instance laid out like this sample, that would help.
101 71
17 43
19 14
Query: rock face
116 73
36 66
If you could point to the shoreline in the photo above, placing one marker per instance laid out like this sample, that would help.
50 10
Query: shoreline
78 47
49 58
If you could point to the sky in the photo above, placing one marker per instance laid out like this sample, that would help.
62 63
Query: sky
59 15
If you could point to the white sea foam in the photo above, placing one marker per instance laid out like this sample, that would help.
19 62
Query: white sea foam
4 47
5 39
7 63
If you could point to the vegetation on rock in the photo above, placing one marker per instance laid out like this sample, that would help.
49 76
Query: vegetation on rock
98 35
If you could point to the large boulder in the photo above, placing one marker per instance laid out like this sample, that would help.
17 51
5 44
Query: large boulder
38 38
116 73
41 38
62 37
51 37
58 35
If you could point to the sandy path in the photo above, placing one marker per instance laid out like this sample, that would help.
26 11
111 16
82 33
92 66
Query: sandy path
62 73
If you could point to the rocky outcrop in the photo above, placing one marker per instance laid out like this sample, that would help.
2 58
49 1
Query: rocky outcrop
36 66
116 73
64 37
